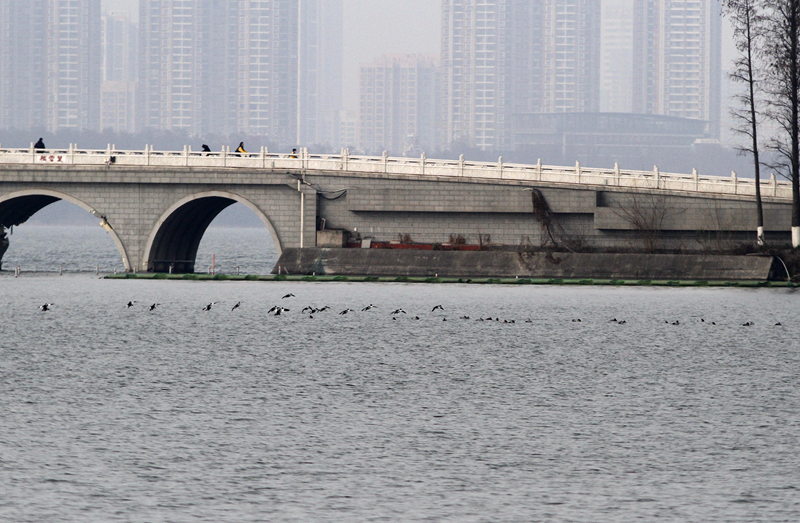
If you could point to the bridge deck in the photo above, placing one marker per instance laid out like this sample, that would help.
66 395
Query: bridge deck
344 162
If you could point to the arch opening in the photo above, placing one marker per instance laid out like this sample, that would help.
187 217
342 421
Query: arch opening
176 240
43 230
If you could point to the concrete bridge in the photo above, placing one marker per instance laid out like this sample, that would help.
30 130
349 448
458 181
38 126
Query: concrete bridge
157 205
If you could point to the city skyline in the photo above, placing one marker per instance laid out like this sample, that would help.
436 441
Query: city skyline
404 27
520 57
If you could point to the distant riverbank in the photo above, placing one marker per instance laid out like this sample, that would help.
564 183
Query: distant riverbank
474 281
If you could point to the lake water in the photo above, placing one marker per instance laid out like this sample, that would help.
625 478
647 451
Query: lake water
109 413
44 248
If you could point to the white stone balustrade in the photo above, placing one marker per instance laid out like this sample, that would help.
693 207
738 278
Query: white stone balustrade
385 165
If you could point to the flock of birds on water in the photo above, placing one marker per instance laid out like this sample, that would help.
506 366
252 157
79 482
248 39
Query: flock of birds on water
278 310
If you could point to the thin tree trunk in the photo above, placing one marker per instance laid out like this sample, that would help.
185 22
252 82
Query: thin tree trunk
795 129
754 123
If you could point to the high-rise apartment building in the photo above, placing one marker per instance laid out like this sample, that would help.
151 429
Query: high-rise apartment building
320 71
169 78
348 130
72 36
21 65
187 65
119 47
50 64
118 90
503 57
476 41
397 104
677 59
268 69
118 107
616 57
570 55
260 67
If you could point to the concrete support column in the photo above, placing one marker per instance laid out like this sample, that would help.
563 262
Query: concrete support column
302 213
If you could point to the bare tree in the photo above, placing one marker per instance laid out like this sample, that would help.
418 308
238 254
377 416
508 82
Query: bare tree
723 222
782 53
552 231
646 213
746 18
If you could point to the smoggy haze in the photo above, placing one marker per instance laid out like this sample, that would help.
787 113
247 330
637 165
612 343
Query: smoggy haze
371 28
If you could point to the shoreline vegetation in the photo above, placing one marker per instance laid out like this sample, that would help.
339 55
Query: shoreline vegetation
475 281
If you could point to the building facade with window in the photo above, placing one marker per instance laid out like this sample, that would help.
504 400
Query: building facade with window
50 64
270 68
677 59
503 57
398 104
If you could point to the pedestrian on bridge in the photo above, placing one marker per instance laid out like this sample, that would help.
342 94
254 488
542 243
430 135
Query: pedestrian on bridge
39 144
240 149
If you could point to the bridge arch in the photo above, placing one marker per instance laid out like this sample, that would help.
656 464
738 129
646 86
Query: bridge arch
17 207
176 236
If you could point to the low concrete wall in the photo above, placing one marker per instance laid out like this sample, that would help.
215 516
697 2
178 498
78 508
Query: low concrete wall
331 238
504 264
3 247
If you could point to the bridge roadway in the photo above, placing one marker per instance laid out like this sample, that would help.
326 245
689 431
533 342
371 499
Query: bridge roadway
157 205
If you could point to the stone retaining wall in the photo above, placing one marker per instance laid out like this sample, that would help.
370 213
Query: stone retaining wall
506 264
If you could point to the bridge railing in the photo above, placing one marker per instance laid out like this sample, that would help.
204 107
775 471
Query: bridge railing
386 165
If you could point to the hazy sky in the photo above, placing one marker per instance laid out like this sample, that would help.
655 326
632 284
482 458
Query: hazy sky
376 27
371 28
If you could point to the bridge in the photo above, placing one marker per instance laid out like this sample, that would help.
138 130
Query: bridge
156 205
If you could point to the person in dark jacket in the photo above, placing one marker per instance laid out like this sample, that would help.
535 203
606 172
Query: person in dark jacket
39 144
206 149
